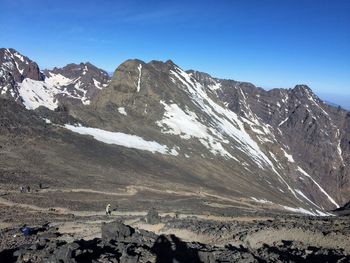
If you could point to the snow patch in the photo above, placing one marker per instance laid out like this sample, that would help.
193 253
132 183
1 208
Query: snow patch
215 86
19 56
288 156
37 93
122 139
97 84
299 210
262 201
47 121
121 110
57 80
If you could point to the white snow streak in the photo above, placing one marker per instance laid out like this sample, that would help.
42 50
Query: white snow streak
225 122
299 210
322 190
262 201
122 139
307 212
305 197
288 156
186 125
97 84
340 152
309 96
139 80
282 122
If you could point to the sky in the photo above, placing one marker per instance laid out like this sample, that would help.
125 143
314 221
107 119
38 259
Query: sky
271 43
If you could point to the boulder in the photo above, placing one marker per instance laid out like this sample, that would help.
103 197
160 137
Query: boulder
152 217
116 230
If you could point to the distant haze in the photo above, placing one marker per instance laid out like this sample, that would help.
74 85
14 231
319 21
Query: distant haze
341 100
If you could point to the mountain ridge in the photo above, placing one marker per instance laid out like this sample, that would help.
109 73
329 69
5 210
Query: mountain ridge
223 124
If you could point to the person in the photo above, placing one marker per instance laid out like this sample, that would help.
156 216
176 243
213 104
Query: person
40 185
21 188
28 188
108 209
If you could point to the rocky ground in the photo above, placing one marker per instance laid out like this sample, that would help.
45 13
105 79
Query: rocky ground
79 231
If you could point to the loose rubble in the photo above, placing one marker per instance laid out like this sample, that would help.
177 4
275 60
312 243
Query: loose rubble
231 242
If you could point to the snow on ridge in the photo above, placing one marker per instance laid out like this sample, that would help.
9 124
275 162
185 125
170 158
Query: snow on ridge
123 139
121 110
320 187
282 122
301 210
84 99
340 152
97 84
305 197
85 70
310 98
215 86
296 210
186 125
57 80
20 57
262 201
139 79
288 156
36 93
226 123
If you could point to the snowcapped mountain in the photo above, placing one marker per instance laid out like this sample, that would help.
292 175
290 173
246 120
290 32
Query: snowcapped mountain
22 79
285 149
80 82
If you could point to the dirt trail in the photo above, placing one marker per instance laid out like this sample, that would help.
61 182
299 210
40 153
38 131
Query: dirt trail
66 211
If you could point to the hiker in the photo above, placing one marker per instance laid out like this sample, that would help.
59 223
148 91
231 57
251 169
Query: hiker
40 185
21 188
28 188
108 209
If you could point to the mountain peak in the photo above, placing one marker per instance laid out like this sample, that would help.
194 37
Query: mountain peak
302 87
18 67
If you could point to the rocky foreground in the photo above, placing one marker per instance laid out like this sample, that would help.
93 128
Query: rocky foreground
281 239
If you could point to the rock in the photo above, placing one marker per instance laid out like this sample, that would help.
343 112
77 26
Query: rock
116 230
152 217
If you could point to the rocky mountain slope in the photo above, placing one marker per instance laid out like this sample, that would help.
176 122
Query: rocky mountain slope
22 80
157 126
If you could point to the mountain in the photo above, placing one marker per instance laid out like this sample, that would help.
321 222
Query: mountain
159 128
22 79
80 81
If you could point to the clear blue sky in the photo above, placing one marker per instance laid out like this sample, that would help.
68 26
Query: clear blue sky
272 43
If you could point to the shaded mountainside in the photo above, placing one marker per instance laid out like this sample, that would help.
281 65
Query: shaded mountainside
156 125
